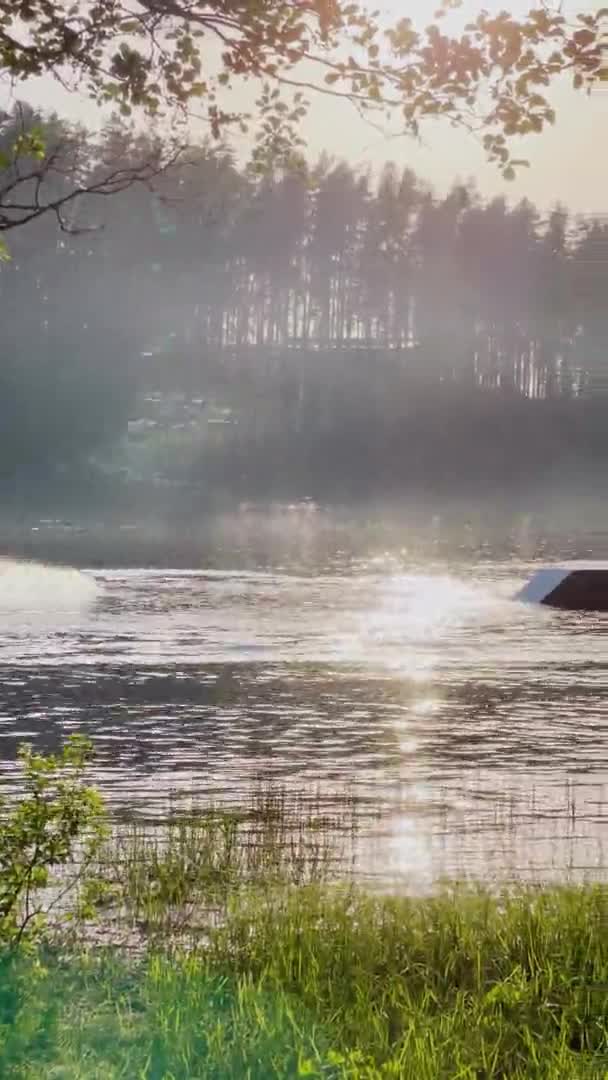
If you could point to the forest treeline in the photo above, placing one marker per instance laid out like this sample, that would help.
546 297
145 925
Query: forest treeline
323 304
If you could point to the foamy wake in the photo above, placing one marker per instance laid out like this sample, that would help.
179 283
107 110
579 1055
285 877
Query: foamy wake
34 588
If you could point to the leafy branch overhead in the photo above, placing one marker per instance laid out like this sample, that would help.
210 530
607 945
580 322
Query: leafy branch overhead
158 55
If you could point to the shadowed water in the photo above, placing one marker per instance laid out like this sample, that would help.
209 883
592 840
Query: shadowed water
476 726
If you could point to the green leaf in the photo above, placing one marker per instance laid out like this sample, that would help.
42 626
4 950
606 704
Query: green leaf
57 813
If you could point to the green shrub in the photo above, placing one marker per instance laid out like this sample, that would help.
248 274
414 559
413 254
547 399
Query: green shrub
57 819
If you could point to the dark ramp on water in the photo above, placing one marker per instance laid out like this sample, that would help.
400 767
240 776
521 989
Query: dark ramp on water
573 587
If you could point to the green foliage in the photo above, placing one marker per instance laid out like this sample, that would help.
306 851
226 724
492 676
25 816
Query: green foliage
301 977
177 879
27 144
512 985
57 814
30 144
327 983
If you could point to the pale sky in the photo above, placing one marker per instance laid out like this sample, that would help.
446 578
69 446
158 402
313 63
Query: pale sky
569 163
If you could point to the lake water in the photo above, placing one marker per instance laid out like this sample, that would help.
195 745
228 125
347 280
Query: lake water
476 726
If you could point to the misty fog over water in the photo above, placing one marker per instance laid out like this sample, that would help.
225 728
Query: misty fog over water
320 332
275 455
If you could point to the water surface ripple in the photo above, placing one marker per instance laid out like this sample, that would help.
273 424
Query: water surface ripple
477 726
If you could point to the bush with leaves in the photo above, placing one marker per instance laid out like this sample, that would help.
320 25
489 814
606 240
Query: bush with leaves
58 818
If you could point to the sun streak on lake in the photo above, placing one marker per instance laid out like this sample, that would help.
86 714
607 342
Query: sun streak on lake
473 724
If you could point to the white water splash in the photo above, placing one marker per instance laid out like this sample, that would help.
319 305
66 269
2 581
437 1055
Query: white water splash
30 589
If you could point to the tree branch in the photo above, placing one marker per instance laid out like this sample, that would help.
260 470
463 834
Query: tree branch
15 212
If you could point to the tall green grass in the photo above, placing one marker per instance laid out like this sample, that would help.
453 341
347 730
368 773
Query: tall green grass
263 959
331 983
176 880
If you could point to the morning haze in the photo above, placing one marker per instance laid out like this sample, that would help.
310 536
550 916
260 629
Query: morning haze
295 779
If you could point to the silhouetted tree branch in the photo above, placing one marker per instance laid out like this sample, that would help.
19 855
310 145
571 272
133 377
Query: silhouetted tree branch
47 168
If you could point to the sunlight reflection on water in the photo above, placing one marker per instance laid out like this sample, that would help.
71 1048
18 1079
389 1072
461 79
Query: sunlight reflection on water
474 724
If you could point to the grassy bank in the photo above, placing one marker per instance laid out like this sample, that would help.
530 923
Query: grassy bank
329 983
250 952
